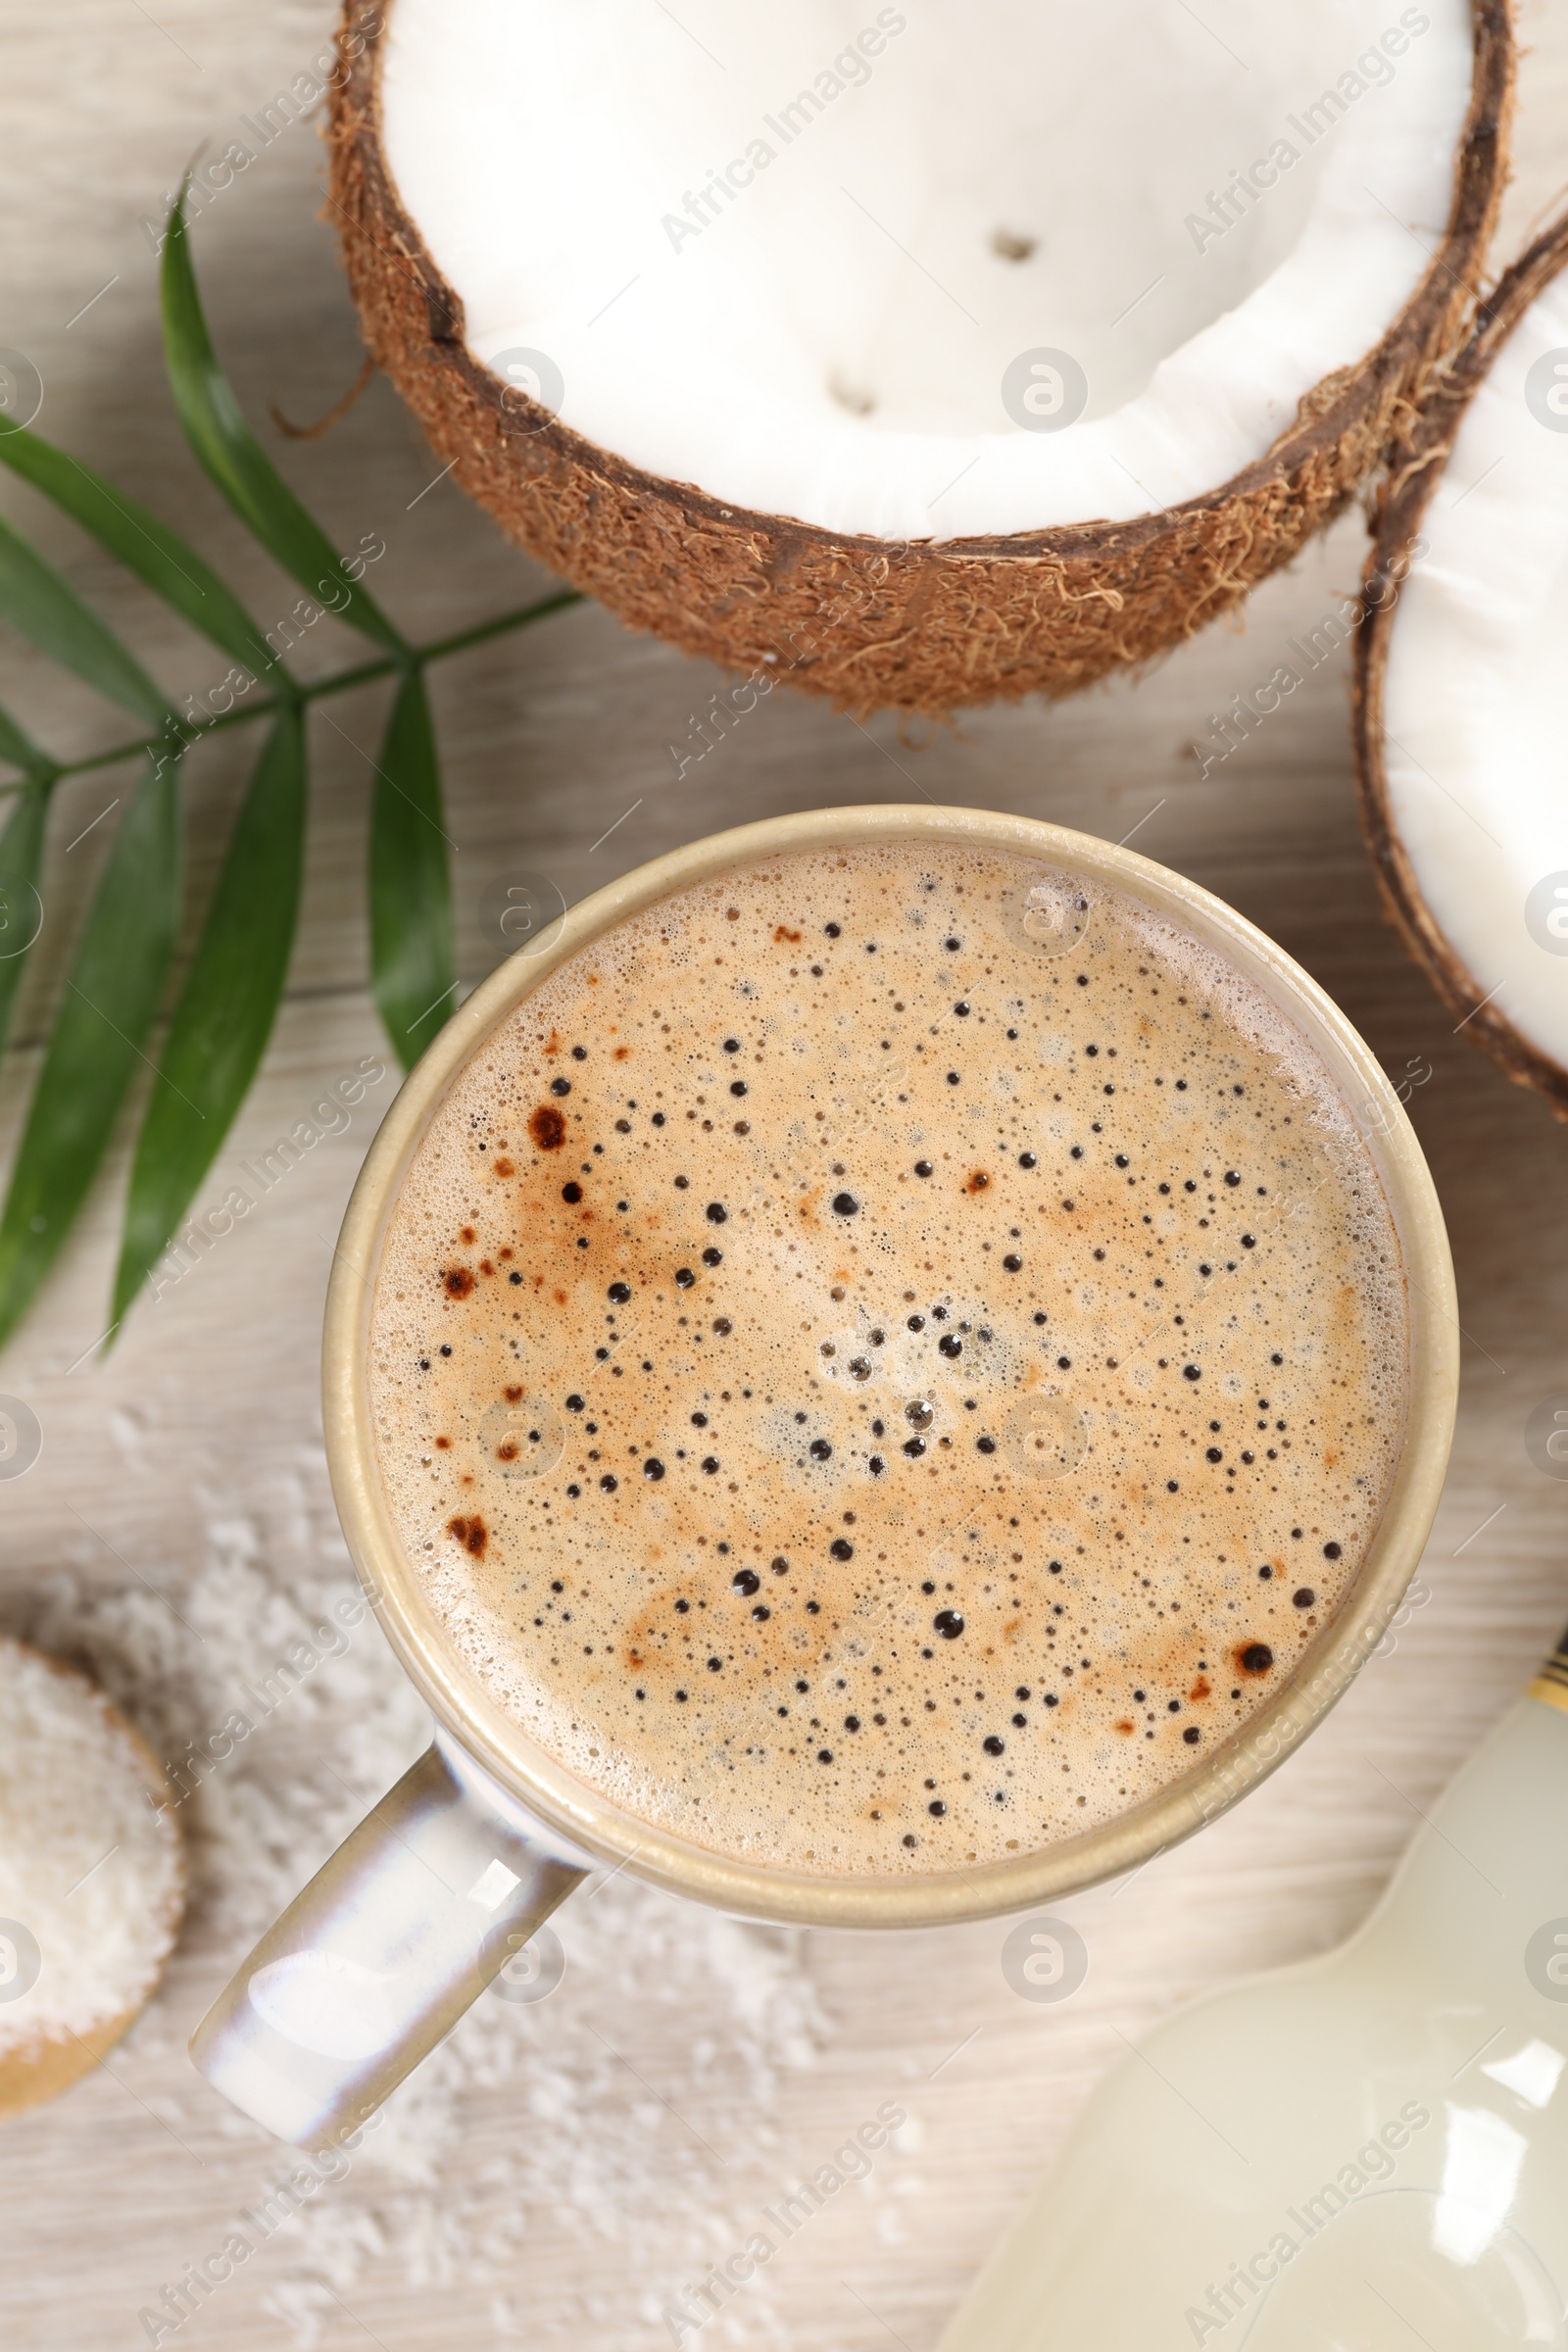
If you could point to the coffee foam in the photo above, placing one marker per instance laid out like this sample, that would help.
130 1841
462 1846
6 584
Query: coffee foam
799 1339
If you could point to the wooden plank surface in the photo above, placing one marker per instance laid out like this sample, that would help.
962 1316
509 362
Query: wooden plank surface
560 2172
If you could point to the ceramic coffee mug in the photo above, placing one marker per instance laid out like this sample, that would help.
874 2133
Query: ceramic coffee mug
457 1866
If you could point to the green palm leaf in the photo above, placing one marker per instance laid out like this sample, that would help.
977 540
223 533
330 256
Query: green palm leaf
20 864
19 749
111 996
229 1003
35 600
227 447
411 901
143 544
226 1008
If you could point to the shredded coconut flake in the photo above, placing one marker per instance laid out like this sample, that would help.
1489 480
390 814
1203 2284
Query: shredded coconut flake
90 1872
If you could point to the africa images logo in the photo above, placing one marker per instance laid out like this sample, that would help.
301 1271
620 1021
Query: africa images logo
1373 69
1247 2280
851 69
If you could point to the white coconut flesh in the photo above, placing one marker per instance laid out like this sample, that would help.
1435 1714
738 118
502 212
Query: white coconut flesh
787 255
1476 741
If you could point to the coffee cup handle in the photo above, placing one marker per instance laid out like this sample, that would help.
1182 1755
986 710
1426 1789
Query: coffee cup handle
376 1959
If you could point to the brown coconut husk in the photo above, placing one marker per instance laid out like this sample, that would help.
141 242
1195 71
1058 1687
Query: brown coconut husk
920 626
1415 469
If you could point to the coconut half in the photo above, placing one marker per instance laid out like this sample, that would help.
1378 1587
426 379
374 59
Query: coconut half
918 356
1461 664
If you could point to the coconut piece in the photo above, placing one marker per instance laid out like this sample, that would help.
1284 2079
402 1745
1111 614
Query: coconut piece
1461 758
91 1876
1031 343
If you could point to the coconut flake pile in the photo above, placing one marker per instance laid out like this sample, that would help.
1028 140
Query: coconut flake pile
90 1872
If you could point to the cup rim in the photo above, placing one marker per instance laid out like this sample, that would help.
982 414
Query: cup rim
576 1814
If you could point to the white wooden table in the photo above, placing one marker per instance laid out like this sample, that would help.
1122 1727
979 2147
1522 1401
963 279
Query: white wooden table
561 2172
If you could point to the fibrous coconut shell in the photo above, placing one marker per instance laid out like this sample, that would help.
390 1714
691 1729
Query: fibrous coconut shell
924 627
1415 469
